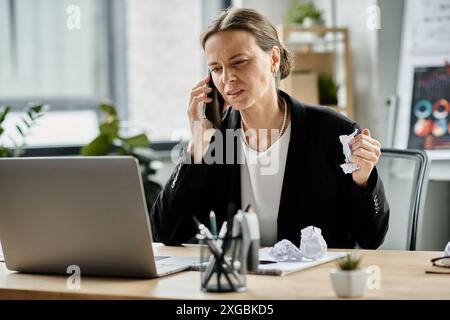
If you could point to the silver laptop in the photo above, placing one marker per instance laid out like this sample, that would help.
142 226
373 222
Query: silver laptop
84 211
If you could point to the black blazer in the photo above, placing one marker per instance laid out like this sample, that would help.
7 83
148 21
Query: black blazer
315 189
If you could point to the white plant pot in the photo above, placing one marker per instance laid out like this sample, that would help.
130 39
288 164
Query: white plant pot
309 22
305 36
349 284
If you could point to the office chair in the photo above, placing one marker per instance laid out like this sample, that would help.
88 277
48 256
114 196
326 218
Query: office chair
405 178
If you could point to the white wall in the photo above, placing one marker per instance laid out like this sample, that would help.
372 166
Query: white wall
165 60
363 43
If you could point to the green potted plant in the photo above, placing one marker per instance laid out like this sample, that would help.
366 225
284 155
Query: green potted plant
111 141
349 280
328 90
306 15
23 127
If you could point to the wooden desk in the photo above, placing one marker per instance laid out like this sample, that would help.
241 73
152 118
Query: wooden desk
402 277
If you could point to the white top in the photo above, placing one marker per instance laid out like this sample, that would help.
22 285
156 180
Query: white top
262 176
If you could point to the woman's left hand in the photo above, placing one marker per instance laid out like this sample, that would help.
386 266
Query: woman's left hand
365 153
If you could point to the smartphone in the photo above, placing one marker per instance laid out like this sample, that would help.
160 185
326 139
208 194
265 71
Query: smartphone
213 110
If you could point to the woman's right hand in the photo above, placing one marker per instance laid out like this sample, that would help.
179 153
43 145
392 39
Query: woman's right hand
201 128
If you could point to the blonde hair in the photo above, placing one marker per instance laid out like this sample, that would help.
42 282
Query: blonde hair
259 26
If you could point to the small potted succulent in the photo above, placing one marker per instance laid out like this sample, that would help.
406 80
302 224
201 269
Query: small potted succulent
349 281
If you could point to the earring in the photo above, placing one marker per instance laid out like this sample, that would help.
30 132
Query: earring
274 73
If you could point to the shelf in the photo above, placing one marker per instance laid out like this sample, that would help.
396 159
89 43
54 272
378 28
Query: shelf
318 51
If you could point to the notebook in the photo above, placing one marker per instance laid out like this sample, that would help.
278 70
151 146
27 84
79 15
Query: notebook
283 268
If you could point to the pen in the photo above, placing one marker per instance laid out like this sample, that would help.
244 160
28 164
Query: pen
210 239
203 229
222 236
223 230
266 261
213 223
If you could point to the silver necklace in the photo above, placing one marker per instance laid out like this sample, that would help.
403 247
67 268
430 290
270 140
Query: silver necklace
283 125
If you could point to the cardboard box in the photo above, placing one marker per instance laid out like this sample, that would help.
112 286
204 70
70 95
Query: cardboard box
304 86
320 62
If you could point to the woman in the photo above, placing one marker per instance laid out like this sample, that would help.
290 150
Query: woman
306 186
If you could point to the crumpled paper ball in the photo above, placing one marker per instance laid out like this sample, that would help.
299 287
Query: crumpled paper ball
285 250
348 167
312 244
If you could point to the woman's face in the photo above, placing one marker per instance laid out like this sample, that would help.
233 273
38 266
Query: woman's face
241 70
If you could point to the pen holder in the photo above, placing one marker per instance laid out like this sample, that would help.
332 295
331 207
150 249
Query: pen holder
221 270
